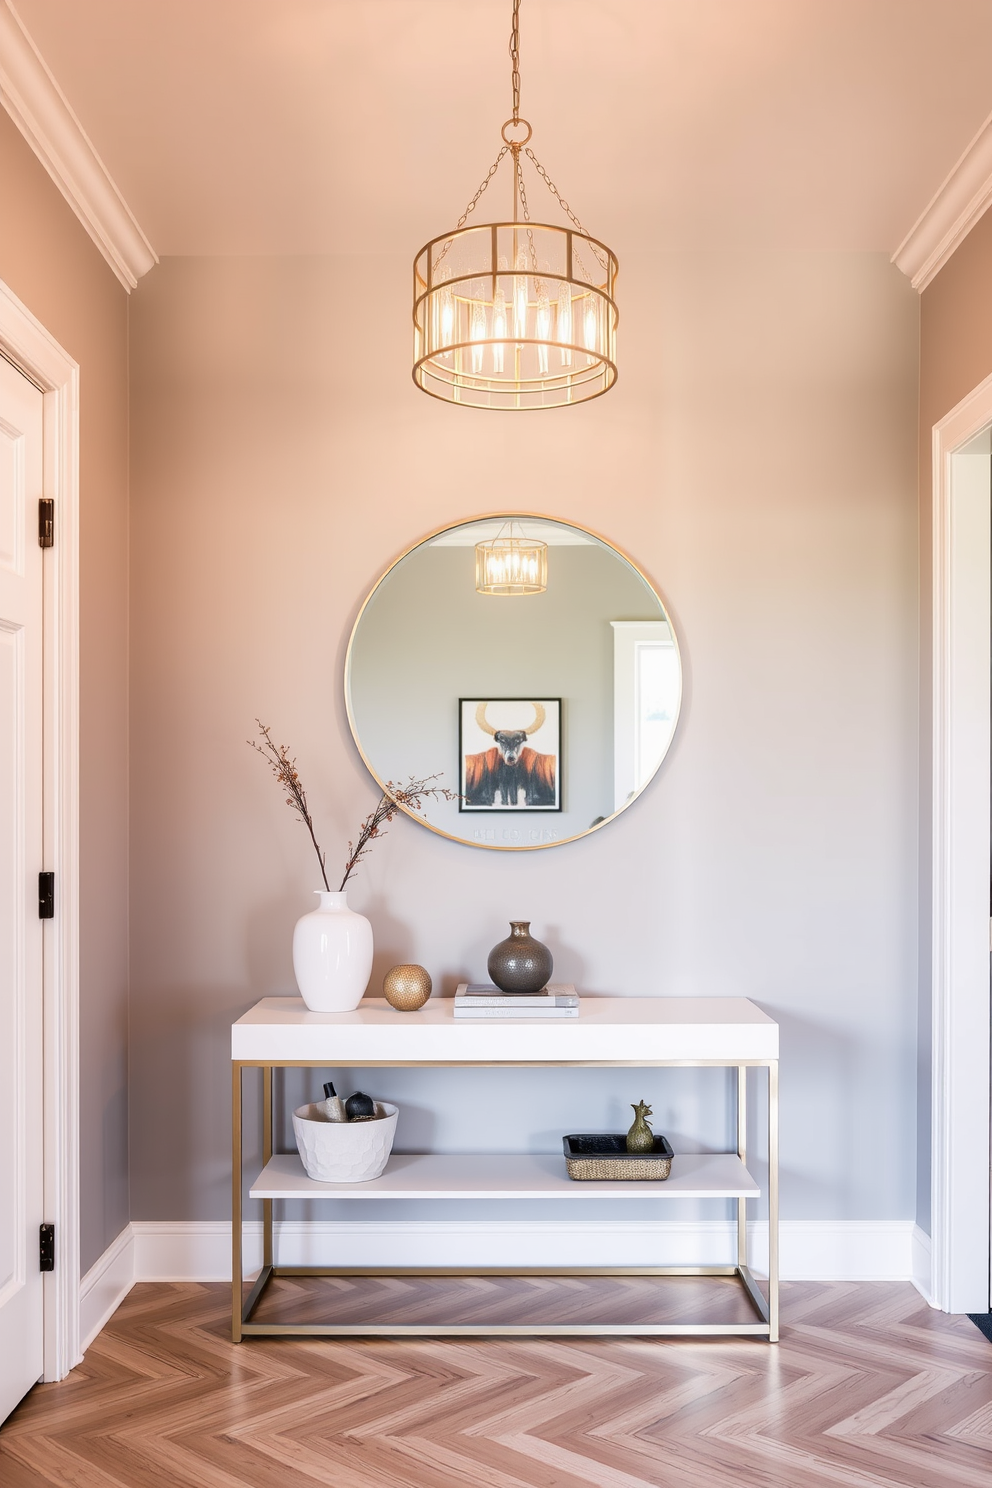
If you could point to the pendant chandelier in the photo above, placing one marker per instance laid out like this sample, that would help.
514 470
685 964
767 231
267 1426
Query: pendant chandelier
510 563
518 314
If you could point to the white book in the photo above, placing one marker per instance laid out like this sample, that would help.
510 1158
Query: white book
523 1001
555 995
461 1011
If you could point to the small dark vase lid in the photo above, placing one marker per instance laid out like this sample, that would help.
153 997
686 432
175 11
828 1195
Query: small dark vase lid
520 963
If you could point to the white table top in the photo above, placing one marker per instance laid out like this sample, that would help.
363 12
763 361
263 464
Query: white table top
629 1030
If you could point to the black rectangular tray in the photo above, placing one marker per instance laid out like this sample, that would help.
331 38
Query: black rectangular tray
595 1156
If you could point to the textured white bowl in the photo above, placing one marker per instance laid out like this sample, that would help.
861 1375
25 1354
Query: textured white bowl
344 1151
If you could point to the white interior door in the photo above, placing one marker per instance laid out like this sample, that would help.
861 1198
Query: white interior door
21 1088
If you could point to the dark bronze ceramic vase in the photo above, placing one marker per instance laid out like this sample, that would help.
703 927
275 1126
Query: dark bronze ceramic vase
520 963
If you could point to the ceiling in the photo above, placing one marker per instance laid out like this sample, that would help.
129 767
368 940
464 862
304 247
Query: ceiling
310 126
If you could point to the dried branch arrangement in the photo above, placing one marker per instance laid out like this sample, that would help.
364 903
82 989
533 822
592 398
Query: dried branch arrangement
411 796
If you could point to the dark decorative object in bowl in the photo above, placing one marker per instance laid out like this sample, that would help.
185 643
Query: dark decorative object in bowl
520 963
360 1107
595 1156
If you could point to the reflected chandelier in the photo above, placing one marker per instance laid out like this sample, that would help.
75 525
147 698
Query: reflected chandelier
515 315
510 563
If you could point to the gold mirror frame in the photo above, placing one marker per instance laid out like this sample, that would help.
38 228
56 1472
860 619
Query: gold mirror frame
502 516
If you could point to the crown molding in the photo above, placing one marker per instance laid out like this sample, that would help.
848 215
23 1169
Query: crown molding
38 107
950 215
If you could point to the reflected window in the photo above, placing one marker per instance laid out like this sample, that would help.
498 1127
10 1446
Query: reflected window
646 687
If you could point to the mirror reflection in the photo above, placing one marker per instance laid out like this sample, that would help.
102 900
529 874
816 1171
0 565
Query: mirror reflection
530 665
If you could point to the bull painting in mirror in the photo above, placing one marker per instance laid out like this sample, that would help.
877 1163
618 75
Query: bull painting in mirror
518 766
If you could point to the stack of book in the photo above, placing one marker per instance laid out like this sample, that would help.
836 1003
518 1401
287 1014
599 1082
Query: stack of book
483 1000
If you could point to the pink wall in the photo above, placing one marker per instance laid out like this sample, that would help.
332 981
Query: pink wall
50 263
758 459
955 333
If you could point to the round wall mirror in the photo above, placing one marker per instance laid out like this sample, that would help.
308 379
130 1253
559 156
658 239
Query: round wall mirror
526 663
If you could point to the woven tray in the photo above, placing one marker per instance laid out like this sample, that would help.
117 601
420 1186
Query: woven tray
603 1155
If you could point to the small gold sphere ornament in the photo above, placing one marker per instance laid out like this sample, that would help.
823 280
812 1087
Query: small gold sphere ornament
406 988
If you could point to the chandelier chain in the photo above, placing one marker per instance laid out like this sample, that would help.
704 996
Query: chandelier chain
554 190
522 191
515 60
474 202
521 188
563 203
482 187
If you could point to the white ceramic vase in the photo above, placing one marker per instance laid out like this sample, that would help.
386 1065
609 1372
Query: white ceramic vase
332 955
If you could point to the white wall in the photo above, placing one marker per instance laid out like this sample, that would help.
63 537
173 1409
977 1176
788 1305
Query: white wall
758 459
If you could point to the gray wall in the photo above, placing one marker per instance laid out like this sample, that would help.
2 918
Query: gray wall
427 638
758 459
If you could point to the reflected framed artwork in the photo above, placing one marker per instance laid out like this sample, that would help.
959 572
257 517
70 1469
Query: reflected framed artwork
510 754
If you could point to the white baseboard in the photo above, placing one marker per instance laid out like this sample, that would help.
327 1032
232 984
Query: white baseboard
810 1250
921 1264
846 1250
200 1250
104 1287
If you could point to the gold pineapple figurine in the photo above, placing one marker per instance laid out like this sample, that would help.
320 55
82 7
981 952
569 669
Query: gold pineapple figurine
640 1138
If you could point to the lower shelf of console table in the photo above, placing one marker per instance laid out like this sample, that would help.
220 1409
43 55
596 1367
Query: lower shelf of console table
512 1300
436 1175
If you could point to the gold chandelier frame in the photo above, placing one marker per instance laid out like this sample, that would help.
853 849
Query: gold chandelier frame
445 364
515 314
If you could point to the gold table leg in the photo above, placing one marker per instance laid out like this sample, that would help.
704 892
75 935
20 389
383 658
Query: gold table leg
742 1154
773 1201
266 1155
236 1261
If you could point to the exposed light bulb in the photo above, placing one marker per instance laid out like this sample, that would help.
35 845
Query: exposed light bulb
543 330
478 333
565 324
589 328
499 327
447 317
520 297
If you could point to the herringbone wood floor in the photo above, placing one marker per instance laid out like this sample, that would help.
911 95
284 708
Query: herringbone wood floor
491 1300
869 1388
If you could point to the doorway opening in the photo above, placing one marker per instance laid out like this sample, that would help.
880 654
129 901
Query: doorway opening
30 348
961 1200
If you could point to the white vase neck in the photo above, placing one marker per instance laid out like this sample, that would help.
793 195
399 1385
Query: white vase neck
333 899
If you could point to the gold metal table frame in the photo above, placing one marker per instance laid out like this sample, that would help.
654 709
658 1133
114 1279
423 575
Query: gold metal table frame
766 1324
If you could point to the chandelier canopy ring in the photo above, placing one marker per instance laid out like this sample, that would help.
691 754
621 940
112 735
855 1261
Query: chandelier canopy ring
516 144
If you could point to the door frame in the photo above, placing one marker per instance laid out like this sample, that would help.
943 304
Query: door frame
25 342
962 746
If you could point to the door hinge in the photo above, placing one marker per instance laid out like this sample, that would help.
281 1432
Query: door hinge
46 896
46 1248
46 522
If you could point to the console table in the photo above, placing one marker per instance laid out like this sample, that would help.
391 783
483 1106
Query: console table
646 1032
